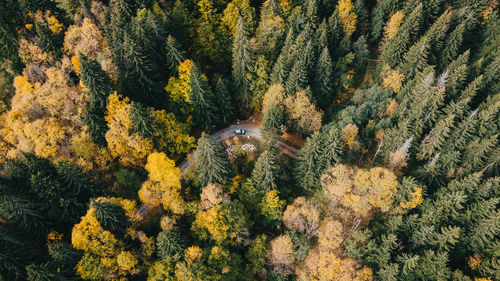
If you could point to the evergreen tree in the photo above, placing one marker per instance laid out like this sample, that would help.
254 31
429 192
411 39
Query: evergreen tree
437 32
266 174
170 245
48 43
111 217
212 165
174 54
415 60
311 163
242 64
452 44
43 272
142 121
323 84
260 83
274 119
224 101
99 87
205 112
394 49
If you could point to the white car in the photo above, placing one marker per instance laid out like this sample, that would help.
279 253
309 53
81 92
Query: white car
240 131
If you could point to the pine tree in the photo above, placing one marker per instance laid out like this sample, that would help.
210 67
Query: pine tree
360 49
46 40
142 121
336 31
242 64
282 65
432 9
260 83
393 50
174 54
323 84
311 12
415 60
333 146
266 174
43 272
139 73
310 163
273 120
453 44
224 101
212 165
111 217
437 32
379 14
458 73
170 245
99 87
205 112
436 137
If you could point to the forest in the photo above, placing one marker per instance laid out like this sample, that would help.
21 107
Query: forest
275 140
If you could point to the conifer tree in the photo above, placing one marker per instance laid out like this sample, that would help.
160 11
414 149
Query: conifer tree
394 49
260 83
379 14
43 272
274 119
99 87
242 64
139 73
266 174
212 165
224 101
110 216
452 44
437 32
323 84
432 143
311 163
174 54
142 121
205 112
48 43
415 60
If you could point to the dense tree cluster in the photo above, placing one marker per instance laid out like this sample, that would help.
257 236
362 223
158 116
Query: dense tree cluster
372 152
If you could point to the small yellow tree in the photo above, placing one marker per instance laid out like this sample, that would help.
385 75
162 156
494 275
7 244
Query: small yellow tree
163 185
347 16
392 26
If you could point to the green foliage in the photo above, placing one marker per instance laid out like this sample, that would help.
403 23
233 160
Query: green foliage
242 64
111 217
212 164
170 245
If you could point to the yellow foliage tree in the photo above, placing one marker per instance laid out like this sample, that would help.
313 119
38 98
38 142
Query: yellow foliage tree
321 264
275 95
130 148
302 216
280 253
105 256
360 190
392 78
163 184
235 10
347 16
392 26
178 87
349 136
303 113
88 40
